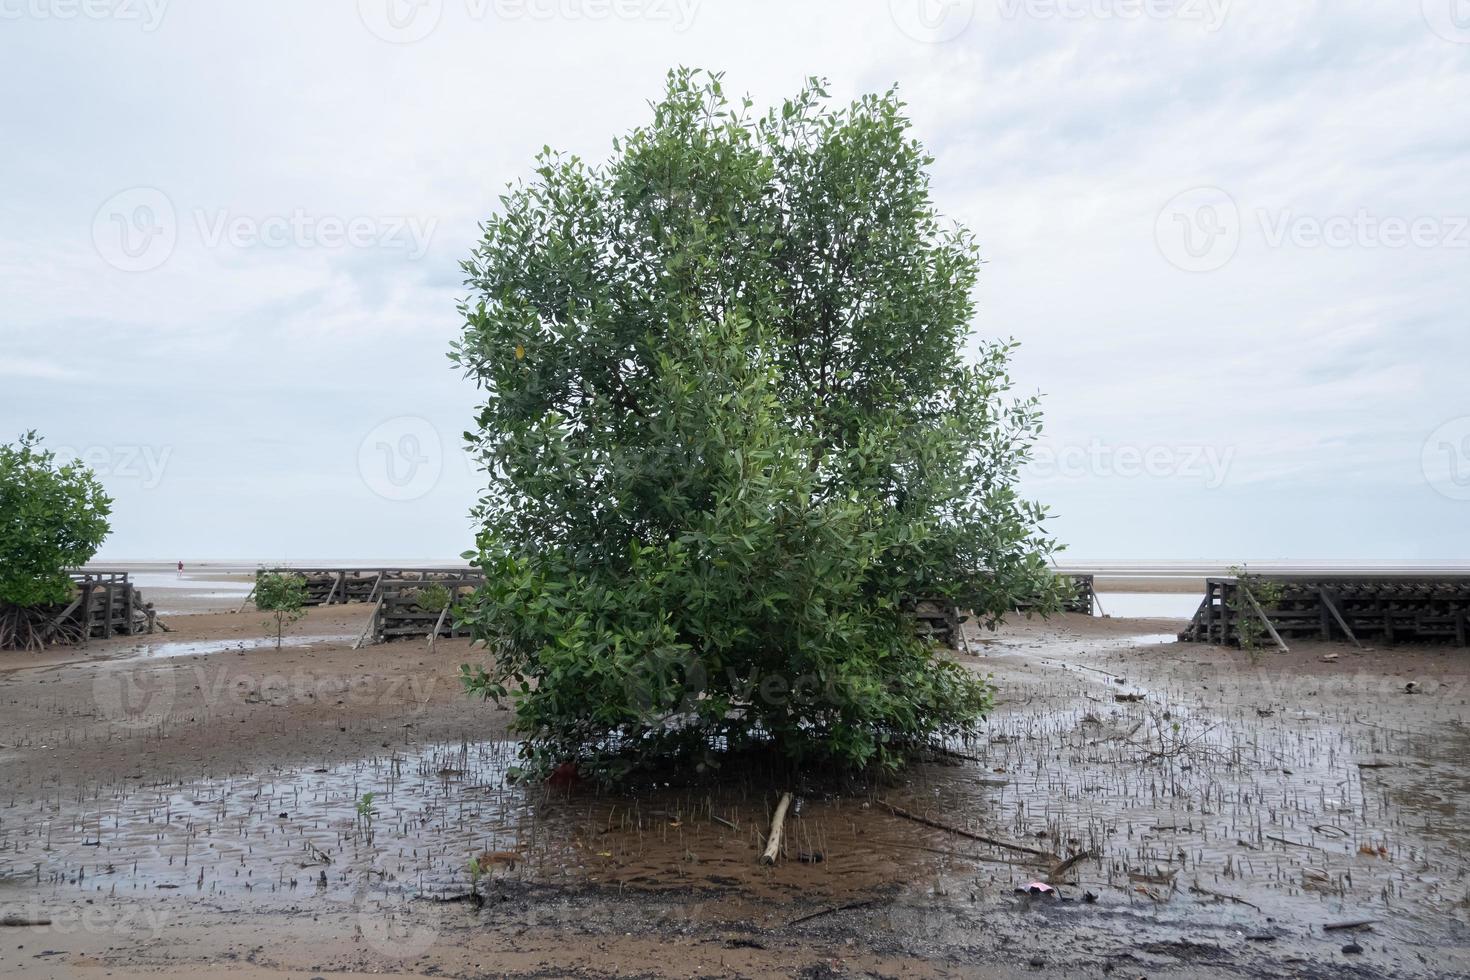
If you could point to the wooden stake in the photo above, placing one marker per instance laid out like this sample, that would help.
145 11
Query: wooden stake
1265 619
371 620
773 843
1337 615
437 626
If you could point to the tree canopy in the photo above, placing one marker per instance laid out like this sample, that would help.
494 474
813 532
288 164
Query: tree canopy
735 423
52 518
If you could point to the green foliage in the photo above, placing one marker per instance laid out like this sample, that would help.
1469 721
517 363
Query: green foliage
52 518
731 430
1248 625
284 596
432 598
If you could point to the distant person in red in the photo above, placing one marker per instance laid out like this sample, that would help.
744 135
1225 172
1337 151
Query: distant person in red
181 569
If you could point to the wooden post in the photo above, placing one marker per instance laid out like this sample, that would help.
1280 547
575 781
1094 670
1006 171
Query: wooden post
107 623
434 636
1264 618
1331 607
371 620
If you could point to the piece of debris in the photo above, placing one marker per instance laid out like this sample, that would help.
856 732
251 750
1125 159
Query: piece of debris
1036 888
1061 869
1352 949
1349 924
1128 698
778 822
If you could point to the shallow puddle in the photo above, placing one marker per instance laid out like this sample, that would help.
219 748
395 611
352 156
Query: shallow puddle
198 648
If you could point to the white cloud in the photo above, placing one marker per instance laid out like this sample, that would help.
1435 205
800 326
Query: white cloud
1059 139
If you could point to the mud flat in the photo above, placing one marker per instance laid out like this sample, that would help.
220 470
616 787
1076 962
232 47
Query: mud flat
200 804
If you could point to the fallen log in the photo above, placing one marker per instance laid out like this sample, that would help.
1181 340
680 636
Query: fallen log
1349 924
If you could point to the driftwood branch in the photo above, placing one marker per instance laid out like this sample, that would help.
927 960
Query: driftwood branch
993 842
778 822
1061 870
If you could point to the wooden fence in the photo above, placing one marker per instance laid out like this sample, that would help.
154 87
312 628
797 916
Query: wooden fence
1084 600
403 610
106 604
1383 608
337 586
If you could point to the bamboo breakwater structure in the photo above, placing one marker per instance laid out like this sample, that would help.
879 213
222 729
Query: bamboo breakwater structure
339 586
412 610
108 604
104 604
400 610
1382 608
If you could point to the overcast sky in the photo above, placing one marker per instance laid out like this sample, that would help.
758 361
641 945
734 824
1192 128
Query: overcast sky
1232 237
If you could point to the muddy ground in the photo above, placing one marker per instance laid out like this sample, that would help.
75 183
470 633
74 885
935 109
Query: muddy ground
195 803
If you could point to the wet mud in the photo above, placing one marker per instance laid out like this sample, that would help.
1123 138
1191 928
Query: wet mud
210 800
